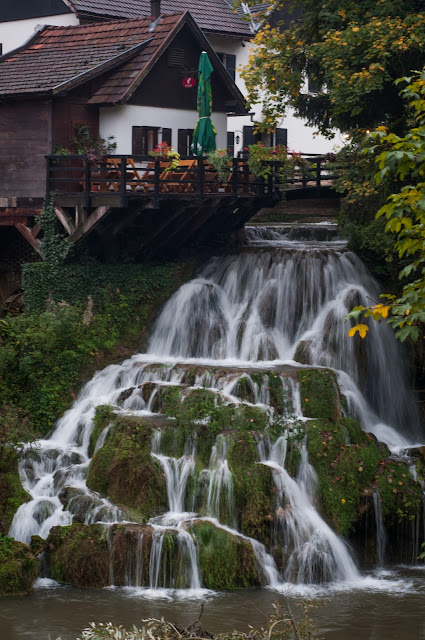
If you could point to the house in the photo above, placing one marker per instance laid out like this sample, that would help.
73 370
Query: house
228 33
121 78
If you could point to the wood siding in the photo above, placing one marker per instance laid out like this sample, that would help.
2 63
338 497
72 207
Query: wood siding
25 140
70 113
163 86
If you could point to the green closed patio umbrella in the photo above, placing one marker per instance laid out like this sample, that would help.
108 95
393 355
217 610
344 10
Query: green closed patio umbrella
203 140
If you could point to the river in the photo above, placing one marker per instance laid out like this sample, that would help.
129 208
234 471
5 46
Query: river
284 293
396 612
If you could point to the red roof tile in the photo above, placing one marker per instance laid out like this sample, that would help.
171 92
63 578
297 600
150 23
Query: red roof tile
59 55
210 15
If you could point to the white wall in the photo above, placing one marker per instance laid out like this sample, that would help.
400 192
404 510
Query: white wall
14 33
300 136
118 121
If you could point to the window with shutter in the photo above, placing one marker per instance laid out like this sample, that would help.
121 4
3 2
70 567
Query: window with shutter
144 139
229 62
184 140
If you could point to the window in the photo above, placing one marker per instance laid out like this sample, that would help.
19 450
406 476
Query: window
144 139
184 141
229 62
314 86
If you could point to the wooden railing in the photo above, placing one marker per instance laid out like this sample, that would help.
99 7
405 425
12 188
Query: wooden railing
138 176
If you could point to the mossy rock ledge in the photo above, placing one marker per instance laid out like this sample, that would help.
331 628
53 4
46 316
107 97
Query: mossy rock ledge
124 470
352 466
18 567
12 493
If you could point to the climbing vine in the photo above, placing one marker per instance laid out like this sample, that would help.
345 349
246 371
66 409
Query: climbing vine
54 246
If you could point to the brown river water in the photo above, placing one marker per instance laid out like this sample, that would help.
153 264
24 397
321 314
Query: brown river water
397 612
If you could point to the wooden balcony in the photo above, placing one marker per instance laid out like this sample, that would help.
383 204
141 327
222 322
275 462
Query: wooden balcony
152 209
121 179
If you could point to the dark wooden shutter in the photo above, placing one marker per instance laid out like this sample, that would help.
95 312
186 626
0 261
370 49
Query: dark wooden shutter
137 141
282 137
231 65
182 142
166 136
248 136
231 142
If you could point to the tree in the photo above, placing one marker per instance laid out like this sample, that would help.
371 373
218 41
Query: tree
355 49
401 162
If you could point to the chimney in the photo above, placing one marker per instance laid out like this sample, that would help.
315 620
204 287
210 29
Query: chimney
155 9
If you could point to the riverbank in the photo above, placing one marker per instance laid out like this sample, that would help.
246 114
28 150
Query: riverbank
57 611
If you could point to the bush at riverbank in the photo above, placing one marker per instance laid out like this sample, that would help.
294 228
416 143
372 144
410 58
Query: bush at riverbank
18 567
94 315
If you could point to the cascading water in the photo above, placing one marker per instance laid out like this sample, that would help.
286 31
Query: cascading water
287 301
281 298
381 535
315 552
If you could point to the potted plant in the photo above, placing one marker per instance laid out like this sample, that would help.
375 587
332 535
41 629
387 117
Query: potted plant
164 152
220 160
261 160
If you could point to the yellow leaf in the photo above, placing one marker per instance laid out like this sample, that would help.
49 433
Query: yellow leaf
361 328
380 309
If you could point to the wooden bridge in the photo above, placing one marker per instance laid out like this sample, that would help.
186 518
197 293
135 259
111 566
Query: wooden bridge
151 207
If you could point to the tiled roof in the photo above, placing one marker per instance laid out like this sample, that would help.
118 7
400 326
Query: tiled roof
60 55
210 15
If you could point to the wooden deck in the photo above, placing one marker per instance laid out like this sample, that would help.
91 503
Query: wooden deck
120 179
147 206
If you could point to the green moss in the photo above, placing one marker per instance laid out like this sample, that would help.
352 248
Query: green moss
167 400
253 487
12 493
401 496
244 389
50 350
18 567
226 561
349 474
293 459
278 397
78 554
102 418
125 471
319 394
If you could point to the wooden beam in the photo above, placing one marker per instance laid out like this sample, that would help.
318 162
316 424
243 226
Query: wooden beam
80 215
65 219
90 223
28 235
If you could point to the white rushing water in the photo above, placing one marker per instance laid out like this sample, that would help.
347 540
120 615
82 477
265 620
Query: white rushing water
282 298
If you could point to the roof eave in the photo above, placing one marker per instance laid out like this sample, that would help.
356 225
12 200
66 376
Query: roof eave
187 18
85 76
153 60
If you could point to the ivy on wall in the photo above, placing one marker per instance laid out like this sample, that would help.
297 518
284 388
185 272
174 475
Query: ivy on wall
64 335
73 283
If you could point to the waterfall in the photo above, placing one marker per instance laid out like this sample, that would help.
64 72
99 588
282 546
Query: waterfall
285 302
220 478
281 298
315 552
381 536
